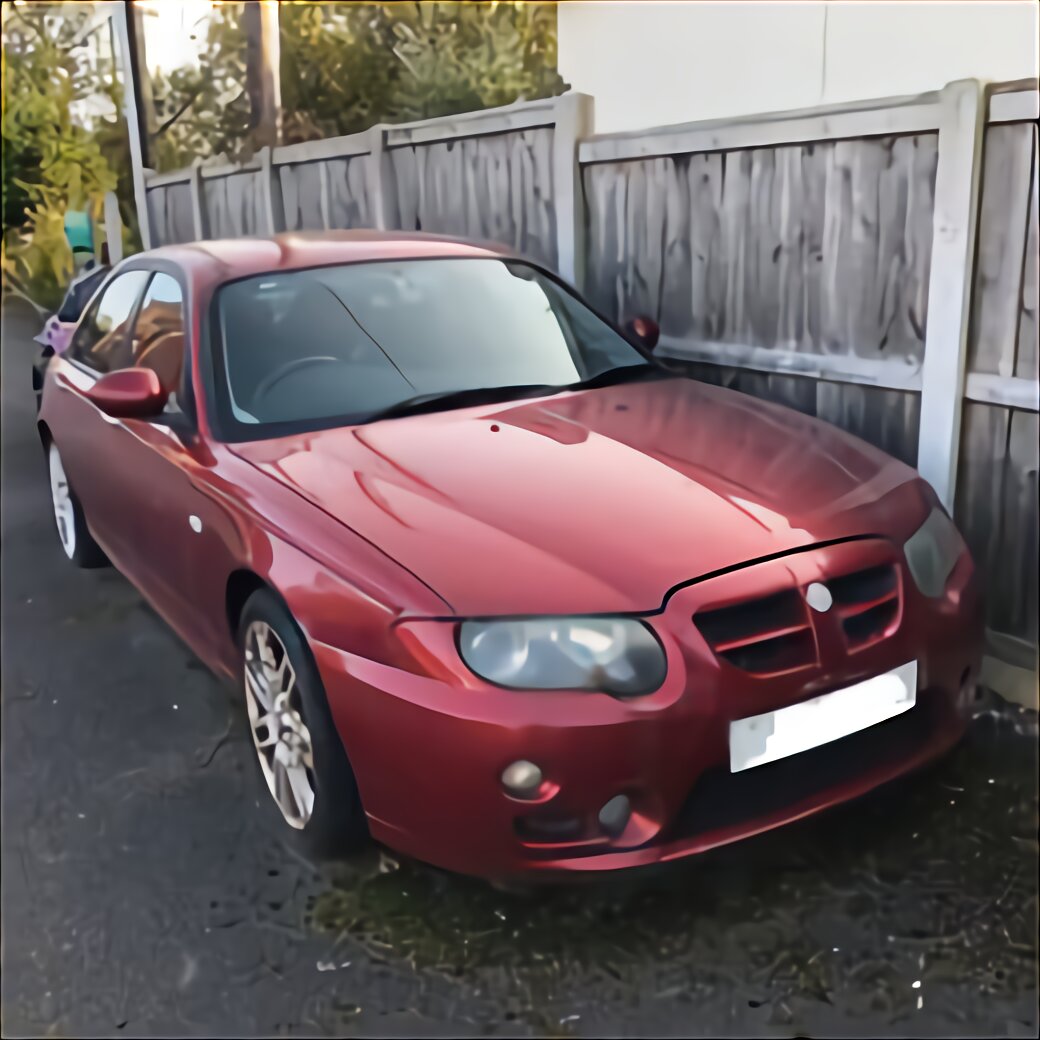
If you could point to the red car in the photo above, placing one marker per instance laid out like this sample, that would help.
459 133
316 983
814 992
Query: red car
501 590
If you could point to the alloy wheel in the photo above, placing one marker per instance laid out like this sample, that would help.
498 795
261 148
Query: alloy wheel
61 497
282 740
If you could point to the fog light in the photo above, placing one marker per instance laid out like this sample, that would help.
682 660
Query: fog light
522 779
613 817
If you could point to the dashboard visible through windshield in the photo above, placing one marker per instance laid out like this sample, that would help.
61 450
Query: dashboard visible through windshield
301 350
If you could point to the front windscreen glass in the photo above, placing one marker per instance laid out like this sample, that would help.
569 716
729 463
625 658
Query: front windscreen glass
300 349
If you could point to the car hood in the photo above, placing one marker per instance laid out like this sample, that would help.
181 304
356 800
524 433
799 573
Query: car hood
592 501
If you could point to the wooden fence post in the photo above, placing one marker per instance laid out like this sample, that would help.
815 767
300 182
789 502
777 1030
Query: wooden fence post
961 125
574 121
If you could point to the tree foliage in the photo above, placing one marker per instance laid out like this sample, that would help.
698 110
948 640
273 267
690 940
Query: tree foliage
51 161
346 66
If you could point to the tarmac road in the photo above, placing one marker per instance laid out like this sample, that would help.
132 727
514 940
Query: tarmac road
148 889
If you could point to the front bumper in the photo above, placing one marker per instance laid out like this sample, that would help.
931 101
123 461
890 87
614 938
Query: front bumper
428 749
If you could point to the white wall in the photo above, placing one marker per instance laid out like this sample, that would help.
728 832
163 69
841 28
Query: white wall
653 63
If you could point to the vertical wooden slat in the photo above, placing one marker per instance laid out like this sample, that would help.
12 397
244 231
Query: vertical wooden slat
961 125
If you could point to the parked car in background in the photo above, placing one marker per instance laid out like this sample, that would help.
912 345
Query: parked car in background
57 329
498 587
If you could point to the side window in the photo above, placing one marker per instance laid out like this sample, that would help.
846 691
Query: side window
102 339
158 340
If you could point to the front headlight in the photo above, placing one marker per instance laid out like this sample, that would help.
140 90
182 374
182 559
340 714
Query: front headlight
932 552
616 655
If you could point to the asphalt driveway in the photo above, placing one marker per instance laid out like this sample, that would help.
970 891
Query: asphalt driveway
148 889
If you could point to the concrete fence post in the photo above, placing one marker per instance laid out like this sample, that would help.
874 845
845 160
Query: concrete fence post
574 121
271 186
324 196
198 202
962 122
113 228
377 196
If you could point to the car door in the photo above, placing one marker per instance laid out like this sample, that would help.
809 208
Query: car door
163 480
139 480
89 440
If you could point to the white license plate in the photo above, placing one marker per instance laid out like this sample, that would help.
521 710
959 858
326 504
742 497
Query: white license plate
786 731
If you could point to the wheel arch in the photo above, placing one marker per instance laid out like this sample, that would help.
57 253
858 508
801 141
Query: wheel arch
240 585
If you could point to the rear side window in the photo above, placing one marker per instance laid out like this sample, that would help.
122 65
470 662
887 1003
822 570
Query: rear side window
102 340
158 341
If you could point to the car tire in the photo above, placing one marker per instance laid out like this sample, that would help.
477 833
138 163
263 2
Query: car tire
73 534
334 823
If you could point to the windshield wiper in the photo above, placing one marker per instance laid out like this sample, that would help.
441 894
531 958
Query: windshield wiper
461 399
436 402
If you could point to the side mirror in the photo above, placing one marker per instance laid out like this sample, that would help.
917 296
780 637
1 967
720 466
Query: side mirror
646 330
129 393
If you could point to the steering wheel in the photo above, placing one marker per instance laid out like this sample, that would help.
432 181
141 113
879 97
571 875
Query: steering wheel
266 384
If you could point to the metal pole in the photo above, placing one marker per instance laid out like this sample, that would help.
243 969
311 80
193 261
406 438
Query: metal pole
120 16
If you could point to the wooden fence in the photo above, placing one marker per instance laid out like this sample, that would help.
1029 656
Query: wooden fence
872 263
507 174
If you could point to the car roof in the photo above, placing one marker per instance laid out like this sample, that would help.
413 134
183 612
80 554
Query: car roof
223 260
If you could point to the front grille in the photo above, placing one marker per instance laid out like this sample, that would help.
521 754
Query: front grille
768 636
867 603
724 799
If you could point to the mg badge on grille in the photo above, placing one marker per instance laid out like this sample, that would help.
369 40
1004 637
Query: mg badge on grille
818 597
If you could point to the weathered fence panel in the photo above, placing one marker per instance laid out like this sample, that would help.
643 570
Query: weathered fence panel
349 204
996 509
818 248
332 192
302 189
170 212
235 204
496 187
506 175
886 418
997 490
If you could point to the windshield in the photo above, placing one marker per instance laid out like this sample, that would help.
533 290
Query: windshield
339 345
